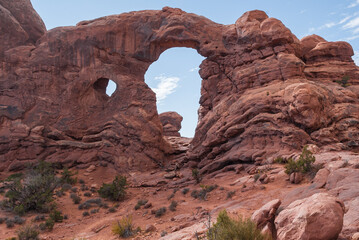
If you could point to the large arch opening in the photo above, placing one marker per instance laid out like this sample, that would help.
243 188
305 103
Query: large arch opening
175 79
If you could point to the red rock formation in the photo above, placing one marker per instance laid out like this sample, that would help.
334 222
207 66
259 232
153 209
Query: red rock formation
261 96
317 217
171 122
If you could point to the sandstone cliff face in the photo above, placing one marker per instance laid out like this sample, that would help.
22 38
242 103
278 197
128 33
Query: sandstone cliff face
264 92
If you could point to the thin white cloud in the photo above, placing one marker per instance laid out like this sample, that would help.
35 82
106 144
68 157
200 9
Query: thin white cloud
344 20
329 25
354 4
351 38
194 69
303 11
352 23
165 87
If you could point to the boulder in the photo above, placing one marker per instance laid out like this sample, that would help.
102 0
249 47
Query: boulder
319 217
171 122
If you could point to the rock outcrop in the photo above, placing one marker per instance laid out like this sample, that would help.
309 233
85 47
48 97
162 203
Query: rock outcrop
264 93
319 217
171 122
264 217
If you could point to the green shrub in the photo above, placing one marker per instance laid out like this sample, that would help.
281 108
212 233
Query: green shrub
115 191
34 192
256 177
15 176
344 81
304 164
56 216
124 228
48 225
280 160
67 177
231 229
196 175
85 214
28 233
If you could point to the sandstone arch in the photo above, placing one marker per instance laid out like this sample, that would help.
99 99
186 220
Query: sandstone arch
49 109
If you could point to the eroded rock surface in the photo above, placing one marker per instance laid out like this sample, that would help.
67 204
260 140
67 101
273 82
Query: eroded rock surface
264 93
319 217
171 122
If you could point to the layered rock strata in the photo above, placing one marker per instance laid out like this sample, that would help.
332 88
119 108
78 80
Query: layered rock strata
264 93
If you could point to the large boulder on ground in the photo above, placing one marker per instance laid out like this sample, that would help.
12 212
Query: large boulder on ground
319 217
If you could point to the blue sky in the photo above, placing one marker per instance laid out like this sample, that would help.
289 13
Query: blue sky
174 77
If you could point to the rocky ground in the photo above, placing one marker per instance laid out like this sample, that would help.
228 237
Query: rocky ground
240 189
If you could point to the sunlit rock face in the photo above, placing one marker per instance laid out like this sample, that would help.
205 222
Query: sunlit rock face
264 93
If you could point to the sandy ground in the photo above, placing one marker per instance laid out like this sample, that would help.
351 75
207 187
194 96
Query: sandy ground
248 197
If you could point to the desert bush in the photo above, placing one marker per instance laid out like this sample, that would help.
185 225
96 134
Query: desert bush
92 203
240 229
14 176
344 81
18 220
140 203
112 209
65 187
230 194
85 214
34 192
87 194
9 223
185 191
160 212
280 160
75 198
124 228
171 196
81 181
56 216
39 218
67 177
196 175
115 191
84 187
28 232
208 188
95 210
47 225
304 164
173 206
256 177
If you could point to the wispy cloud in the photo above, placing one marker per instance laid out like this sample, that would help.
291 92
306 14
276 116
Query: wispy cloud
352 23
354 4
165 87
351 38
194 69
